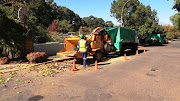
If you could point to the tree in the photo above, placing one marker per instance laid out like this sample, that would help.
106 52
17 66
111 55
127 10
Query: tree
64 25
40 12
11 37
176 5
71 17
53 27
93 22
171 32
176 18
109 24
137 16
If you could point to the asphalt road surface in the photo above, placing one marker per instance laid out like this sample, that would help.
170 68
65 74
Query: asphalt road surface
150 76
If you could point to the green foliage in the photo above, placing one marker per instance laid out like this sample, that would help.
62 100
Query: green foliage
93 22
137 16
109 24
176 20
41 14
169 36
11 37
55 37
176 5
2 80
171 32
64 25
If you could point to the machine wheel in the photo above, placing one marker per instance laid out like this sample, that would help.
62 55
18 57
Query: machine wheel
97 56
107 48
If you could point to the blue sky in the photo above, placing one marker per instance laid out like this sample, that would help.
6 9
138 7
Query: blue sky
101 8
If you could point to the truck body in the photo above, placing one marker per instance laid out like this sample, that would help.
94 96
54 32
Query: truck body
123 38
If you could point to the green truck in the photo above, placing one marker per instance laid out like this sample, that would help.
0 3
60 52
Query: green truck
122 39
154 39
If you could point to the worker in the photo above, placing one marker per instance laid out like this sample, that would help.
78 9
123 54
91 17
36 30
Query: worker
83 48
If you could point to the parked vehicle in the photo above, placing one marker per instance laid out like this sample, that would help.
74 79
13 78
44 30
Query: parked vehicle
165 41
154 39
123 38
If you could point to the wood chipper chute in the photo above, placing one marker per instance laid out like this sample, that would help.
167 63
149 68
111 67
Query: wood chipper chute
70 48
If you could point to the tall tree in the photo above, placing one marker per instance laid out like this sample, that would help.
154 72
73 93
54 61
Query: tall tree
12 35
93 22
41 11
72 17
176 5
109 24
137 16
172 32
64 25
176 18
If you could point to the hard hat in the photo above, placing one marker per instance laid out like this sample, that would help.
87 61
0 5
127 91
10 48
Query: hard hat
81 36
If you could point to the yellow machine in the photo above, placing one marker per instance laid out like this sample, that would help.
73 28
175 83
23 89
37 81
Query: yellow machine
95 44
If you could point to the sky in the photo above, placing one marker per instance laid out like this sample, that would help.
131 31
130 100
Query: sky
101 8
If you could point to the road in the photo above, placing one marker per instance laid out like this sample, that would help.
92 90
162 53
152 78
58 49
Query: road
150 76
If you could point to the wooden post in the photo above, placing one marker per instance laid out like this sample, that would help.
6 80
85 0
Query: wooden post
29 46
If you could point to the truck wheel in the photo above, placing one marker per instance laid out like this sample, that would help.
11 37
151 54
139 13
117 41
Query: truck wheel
134 48
122 52
97 56
107 47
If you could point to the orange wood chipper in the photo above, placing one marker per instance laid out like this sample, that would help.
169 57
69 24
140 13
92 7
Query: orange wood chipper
96 43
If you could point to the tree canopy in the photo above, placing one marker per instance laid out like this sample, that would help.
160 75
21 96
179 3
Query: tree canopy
109 24
12 34
137 16
176 18
176 5
43 12
93 22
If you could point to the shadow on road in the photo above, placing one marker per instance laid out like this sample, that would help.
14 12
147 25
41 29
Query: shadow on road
36 98
155 45
105 58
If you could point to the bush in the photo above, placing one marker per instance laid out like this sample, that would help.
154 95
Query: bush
4 60
170 36
37 57
55 37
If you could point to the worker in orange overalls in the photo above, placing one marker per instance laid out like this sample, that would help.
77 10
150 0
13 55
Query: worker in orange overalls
83 48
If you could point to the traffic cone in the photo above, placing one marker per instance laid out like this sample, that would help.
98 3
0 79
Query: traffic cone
144 50
96 66
137 52
74 66
125 57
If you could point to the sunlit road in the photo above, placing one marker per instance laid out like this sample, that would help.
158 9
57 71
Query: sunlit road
150 76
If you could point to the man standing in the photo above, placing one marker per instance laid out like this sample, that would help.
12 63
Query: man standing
82 48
